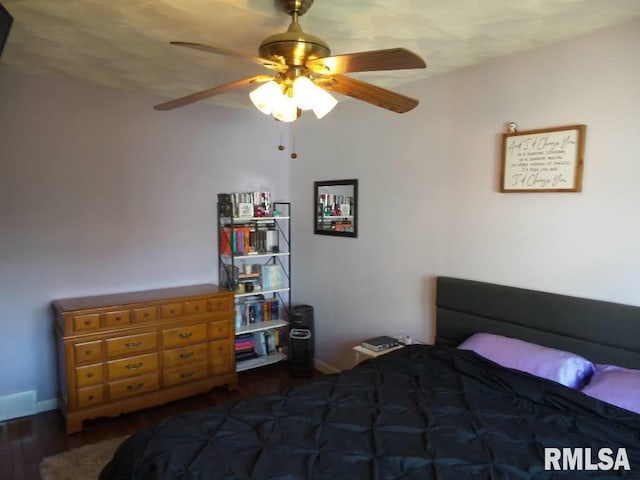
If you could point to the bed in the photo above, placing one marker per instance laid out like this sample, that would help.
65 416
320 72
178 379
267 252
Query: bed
424 411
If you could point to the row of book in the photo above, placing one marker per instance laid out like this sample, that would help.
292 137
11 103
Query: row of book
250 239
251 345
261 277
256 309
245 204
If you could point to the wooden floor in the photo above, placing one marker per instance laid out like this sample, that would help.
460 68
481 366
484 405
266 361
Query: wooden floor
24 442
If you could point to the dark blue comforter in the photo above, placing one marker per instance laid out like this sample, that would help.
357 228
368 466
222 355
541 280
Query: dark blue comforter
422 412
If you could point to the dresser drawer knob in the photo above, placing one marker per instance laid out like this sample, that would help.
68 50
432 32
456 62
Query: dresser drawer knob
91 397
134 366
133 344
186 375
135 386
172 312
88 352
185 334
146 314
220 305
89 375
184 356
87 322
117 319
197 308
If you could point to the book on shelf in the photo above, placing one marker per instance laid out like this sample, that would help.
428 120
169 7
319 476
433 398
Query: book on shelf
266 342
272 276
256 309
249 239
244 347
247 204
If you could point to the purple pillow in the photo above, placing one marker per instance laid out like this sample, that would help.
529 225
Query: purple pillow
563 367
616 385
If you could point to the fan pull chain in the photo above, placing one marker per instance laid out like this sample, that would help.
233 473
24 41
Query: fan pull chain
281 146
293 141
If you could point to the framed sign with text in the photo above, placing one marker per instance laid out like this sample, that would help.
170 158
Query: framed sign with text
545 160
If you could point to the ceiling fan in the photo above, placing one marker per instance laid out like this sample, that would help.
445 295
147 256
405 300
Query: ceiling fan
304 72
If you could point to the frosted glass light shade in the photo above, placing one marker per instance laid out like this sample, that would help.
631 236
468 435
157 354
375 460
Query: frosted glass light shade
285 109
324 103
270 99
304 92
266 96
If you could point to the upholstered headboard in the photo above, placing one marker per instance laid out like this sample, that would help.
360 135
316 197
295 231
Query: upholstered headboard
604 332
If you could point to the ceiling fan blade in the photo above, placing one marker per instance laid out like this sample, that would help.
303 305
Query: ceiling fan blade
232 53
194 97
374 60
368 93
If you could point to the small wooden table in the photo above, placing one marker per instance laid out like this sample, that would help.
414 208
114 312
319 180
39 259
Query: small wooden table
360 350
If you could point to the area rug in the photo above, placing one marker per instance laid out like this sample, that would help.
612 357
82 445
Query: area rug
83 463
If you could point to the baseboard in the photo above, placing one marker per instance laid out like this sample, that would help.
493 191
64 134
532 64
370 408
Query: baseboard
24 404
18 405
46 405
324 367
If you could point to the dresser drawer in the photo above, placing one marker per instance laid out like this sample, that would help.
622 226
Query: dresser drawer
221 304
133 386
129 367
195 307
219 330
176 337
88 352
89 375
181 356
116 319
184 374
132 344
89 396
86 322
220 357
171 310
145 314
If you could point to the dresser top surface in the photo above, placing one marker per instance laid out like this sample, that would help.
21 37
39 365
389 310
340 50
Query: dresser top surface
126 298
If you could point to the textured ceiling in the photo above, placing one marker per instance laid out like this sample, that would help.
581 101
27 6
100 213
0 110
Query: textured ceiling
125 43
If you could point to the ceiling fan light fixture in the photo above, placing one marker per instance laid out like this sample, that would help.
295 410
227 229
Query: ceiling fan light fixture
309 96
324 103
296 57
266 96
285 108
304 92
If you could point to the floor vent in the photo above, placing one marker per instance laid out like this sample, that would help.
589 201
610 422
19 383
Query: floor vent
18 405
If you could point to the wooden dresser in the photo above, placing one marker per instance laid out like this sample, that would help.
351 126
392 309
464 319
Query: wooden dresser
124 352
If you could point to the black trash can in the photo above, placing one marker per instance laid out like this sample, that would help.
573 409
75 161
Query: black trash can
301 342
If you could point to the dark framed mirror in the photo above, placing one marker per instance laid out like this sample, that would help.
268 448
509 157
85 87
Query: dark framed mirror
336 207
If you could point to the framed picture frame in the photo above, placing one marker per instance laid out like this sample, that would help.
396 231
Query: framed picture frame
544 160
336 207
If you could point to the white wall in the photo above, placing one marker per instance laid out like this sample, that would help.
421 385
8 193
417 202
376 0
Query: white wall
583 244
99 193
379 282
429 201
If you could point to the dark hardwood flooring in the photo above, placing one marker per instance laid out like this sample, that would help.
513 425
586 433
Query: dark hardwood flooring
24 442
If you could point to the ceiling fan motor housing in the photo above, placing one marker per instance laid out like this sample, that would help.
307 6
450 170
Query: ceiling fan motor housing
294 47
295 6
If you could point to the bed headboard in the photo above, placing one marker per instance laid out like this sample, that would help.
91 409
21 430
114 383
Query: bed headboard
603 332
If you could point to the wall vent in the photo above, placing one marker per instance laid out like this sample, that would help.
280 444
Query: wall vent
18 405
